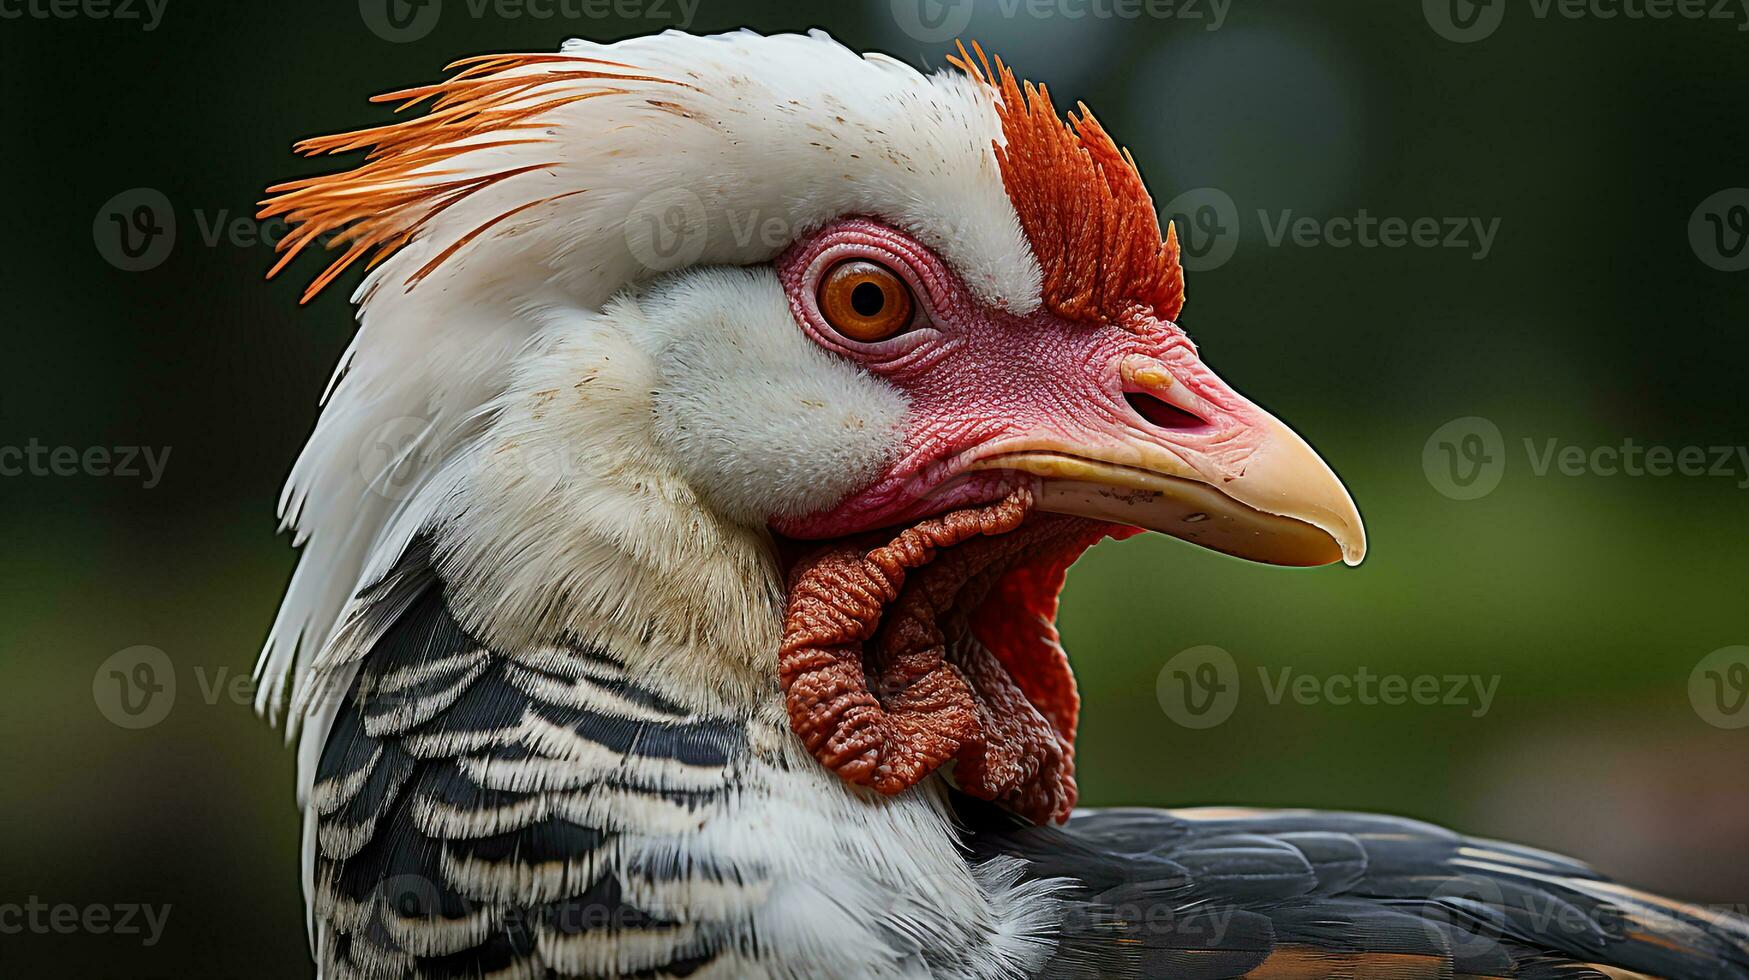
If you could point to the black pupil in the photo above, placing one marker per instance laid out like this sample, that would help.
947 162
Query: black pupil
867 299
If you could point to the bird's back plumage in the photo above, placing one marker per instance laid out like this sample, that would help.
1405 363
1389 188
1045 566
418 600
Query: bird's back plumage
1218 893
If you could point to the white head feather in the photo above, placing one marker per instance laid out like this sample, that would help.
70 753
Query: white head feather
719 152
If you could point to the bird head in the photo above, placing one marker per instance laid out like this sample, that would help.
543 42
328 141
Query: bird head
799 370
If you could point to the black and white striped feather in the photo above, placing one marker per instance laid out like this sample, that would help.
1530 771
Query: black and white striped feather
481 814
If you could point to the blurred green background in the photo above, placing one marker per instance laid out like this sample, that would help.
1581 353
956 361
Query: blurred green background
1588 599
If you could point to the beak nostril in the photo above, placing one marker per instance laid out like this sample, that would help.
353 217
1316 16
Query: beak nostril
1162 414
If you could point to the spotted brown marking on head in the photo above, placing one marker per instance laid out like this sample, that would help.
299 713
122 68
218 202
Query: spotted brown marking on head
379 206
1082 206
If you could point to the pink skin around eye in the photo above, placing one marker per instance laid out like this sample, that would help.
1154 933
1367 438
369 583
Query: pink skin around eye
982 381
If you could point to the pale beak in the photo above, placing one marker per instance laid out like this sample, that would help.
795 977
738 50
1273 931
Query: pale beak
1246 486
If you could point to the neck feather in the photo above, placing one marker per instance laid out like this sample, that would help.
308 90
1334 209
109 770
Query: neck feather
564 523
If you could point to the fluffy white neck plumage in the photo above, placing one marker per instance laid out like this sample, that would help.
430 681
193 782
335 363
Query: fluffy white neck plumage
618 490
565 523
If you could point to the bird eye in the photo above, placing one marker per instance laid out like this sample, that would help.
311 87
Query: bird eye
865 301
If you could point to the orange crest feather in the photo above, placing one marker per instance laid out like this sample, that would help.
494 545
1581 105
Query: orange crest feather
377 207
1082 206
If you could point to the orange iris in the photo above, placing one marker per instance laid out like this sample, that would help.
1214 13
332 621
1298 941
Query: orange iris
865 301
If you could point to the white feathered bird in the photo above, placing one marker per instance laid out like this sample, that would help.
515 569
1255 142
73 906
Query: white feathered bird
682 534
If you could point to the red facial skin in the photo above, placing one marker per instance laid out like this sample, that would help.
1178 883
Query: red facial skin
982 381
1083 400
